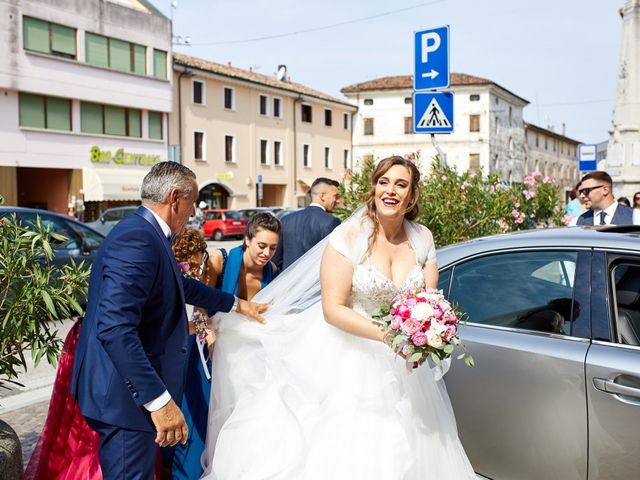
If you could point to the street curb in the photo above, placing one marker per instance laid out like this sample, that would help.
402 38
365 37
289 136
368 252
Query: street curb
24 399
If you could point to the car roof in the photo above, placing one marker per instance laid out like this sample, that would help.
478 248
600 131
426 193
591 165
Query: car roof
127 207
40 211
618 237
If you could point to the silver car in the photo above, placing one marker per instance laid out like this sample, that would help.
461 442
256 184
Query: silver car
554 328
110 217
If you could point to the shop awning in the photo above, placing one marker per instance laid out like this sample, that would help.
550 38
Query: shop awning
101 184
305 184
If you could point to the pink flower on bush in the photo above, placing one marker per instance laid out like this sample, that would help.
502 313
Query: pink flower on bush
443 177
528 195
536 174
464 185
419 339
529 180
547 180
519 219
517 204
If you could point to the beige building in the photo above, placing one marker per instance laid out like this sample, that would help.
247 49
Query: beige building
552 154
235 127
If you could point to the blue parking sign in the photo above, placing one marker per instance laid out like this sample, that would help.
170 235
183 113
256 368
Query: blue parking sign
431 58
433 112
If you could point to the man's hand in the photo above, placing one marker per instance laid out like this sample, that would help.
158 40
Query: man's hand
170 425
252 310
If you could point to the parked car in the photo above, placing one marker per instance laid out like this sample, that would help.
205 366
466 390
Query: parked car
286 211
250 212
219 224
82 241
554 329
110 217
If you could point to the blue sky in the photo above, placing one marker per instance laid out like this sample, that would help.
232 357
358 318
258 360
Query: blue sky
561 55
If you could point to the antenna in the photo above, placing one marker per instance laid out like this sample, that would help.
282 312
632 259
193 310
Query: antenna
178 39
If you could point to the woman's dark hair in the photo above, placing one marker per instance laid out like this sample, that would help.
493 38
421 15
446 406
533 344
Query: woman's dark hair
264 221
624 201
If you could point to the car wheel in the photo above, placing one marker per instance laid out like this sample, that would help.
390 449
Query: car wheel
217 235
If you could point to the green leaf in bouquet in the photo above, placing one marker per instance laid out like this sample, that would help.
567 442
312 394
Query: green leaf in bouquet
435 358
448 348
416 357
461 356
469 361
397 341
377 313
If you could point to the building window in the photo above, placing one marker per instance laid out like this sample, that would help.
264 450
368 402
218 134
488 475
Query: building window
327 157
51 38
546 143
115 54
230 149
510 115
474 97
160 64
306 113
345 121
537 140
155 125
110 120
474 123
38 111
328 117
408 125
277 153
368 126
277 107
264 152
346 159
229 98
198 92
198 145
368 101
474 162
264 105
306 155
408 100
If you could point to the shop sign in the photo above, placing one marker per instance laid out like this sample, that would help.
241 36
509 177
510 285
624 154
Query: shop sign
122 157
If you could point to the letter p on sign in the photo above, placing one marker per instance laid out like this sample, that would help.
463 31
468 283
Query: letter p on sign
430 43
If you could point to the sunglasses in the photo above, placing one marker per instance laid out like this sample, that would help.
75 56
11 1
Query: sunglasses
587 190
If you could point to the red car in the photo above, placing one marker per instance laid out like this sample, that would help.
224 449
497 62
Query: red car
219 224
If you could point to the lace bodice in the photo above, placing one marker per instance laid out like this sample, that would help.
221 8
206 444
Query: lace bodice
370 287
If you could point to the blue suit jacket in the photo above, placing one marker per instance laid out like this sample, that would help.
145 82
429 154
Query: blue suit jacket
133 339
622 216
300 232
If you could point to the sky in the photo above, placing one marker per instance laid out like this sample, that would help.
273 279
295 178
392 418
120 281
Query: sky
560 55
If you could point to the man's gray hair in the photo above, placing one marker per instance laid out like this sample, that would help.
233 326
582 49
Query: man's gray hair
164 177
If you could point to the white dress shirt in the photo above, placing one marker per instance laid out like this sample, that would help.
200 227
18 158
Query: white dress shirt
610 212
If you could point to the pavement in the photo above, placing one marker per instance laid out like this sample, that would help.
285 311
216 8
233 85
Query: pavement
25 407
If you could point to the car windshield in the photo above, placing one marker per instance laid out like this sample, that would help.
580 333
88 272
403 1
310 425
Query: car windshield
232 214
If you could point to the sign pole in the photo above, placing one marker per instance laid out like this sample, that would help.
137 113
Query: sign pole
441 154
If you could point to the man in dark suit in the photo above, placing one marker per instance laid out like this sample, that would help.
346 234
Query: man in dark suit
129 360
302 230
597 195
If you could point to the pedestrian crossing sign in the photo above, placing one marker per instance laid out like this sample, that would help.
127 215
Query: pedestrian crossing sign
432 112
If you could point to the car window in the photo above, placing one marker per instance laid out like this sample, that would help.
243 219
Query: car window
92 239
527 290
232 214
443 281
626 302
55 225
129 211
212 216
112 215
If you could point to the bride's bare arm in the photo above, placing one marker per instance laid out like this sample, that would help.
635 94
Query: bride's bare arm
430 272
335 283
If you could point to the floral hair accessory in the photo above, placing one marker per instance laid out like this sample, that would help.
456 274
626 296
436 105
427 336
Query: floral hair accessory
184 267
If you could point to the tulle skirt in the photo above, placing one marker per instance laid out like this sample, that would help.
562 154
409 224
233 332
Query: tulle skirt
299 399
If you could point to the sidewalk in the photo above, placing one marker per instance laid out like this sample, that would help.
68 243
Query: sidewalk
25 407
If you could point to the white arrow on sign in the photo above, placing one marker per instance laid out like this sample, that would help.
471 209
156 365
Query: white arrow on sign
434 117
432 74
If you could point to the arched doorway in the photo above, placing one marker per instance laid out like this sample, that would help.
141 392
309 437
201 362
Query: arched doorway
215 195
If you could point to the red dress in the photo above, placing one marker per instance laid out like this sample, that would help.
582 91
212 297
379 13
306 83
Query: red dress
67 448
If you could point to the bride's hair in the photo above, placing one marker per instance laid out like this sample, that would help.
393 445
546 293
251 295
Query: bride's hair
412 211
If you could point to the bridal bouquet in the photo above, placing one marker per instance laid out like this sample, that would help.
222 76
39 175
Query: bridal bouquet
420 323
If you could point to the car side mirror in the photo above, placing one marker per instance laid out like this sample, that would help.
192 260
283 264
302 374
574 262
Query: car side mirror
85 248
102 219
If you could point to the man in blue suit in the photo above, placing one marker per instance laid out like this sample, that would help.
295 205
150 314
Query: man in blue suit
130 357
597 194
303 229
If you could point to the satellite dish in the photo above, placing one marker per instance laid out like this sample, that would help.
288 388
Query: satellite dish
282 73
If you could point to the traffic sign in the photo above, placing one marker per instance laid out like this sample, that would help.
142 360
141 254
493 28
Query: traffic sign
260 187
431 58
587 158
432 112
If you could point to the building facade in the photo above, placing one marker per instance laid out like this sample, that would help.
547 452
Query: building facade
84 93
552 154
623 152
488 125
253 139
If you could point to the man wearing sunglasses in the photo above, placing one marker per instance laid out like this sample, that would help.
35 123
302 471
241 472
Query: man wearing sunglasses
596 193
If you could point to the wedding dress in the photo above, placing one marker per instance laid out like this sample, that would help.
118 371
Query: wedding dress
298 399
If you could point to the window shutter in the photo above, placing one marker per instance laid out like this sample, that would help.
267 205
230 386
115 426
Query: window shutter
140 59
31 110
160 64
91 118
35 34
63 40
119 55
134 123
114 121
155 125
59 114
97 49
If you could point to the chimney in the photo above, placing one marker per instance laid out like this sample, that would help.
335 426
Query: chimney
564 129
621 12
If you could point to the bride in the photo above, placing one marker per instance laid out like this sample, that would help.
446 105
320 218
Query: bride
315 393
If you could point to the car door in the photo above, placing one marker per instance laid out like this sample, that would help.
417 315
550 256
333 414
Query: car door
613 368
521 410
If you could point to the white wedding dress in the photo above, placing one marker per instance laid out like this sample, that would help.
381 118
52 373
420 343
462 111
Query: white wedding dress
298 399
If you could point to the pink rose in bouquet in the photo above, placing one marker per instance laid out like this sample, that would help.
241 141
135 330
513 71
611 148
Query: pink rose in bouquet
420 324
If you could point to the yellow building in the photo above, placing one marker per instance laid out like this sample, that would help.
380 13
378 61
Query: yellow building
237 128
